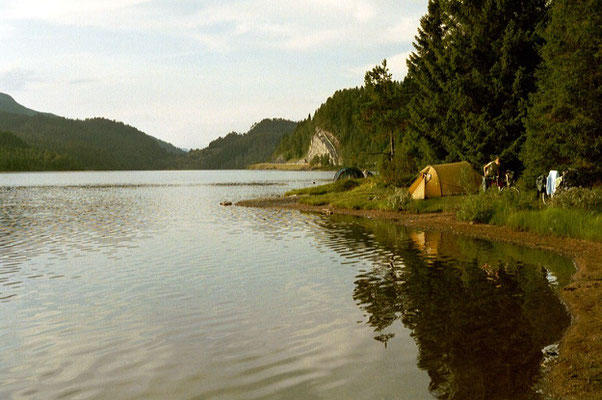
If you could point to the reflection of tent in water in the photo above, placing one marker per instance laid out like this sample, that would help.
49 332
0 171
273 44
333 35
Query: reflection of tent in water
428 242
348 173
445 180
433 243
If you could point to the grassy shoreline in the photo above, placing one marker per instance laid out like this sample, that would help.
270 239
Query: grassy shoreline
289 167
577 218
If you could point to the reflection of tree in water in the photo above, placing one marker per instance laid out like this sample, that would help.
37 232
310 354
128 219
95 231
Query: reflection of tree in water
479 327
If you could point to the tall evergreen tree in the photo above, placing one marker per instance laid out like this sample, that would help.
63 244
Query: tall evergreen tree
473 68
426 78
381 110
564 125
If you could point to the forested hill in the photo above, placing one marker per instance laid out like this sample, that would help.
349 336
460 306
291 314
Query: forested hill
9 105
236 151
340 115
91 144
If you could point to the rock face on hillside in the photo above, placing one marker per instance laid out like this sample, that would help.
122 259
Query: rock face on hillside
324 143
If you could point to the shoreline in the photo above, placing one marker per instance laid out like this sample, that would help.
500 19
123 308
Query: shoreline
577 372
288 167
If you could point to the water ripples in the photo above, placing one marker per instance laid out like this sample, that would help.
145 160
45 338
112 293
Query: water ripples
120 287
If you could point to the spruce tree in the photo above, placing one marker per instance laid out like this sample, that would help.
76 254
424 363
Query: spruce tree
426 79
474 68
564 125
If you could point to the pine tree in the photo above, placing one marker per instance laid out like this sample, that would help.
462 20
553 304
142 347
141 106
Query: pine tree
564 124
382 108
473 69
426 79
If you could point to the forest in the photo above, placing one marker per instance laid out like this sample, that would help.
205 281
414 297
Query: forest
16 155
518 80
238 151
91 144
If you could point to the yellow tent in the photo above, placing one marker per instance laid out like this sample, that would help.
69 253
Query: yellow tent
445 180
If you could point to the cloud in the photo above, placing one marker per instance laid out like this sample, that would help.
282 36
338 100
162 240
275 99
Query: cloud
16 79
64 11
404 31
232 25
309 40
397 65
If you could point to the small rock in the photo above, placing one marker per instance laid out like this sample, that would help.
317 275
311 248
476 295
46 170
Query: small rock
225 203
550 353
551 350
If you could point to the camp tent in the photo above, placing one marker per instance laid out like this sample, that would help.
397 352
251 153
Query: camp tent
348 173
445 180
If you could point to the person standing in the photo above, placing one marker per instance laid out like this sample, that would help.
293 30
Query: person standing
491 172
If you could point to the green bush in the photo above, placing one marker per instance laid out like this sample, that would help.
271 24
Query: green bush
477 208
399 200
582 198
494 207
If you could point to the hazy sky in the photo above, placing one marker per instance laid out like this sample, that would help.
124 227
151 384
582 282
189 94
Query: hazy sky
188 71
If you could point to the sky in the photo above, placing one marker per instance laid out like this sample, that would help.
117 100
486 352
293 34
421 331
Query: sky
189 71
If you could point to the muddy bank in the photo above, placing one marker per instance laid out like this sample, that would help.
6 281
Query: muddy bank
577 373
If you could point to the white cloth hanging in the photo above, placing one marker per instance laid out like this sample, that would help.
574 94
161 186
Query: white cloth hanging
551 182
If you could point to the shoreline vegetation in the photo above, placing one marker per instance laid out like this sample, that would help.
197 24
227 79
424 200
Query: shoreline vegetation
518 219
289 167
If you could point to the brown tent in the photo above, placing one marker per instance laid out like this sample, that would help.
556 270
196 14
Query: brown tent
445 180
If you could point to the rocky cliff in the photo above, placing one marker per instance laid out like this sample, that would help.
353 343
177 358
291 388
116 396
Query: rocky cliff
324 143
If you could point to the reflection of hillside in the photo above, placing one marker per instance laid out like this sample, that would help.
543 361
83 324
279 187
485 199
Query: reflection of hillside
479 326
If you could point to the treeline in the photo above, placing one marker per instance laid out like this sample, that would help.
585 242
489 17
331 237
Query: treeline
91 144
236 151
16 155
518 80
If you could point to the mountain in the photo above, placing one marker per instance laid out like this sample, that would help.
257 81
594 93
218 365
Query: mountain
236 151
91 144
9 105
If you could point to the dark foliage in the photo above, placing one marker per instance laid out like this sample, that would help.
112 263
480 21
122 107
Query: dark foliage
94 144
472 71
16 155
564 126
236 151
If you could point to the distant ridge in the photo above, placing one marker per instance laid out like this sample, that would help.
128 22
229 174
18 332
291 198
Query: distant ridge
91 144
239 151
9 105
49 142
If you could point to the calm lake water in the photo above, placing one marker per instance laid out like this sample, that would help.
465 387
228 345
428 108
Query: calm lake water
139 285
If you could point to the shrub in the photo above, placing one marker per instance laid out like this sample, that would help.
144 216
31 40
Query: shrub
494 207
399 200
583 198
477 208
399 171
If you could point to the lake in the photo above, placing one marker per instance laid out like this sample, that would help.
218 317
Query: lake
139 285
